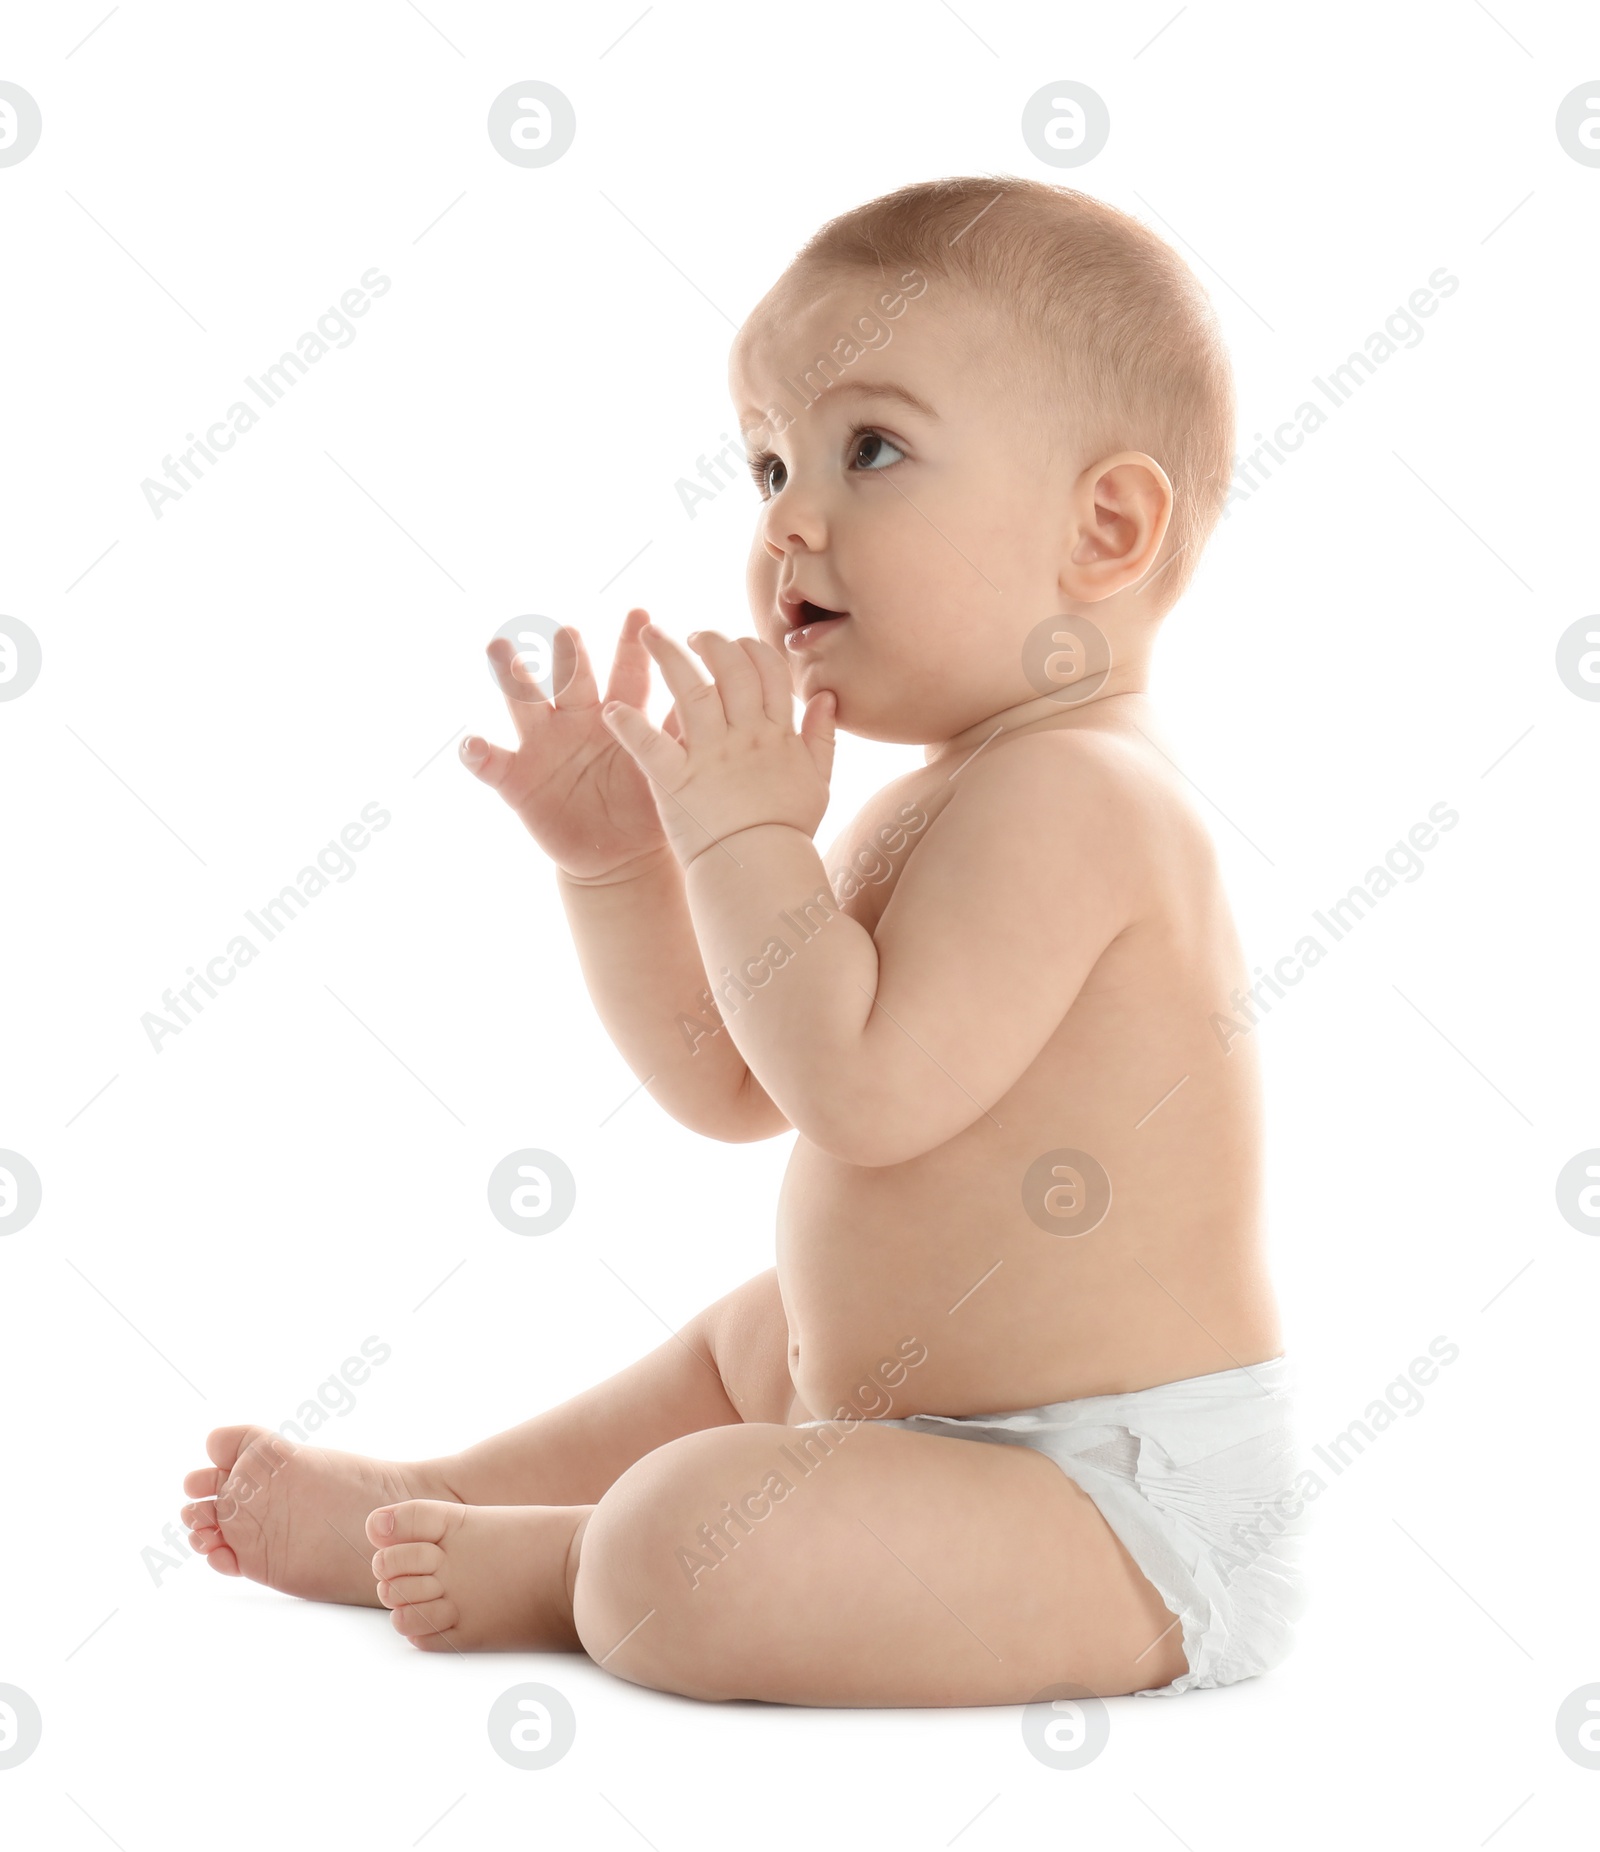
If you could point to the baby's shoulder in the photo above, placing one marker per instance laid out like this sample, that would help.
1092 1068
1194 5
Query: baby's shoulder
1070 766
1099 793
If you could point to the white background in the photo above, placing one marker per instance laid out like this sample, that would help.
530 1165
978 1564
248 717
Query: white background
303 633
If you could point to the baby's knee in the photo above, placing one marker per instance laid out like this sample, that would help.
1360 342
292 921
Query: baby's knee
640 1565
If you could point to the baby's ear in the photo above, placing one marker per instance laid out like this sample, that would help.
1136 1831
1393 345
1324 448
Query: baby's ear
1121 508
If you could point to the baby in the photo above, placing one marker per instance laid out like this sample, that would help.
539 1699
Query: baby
990 424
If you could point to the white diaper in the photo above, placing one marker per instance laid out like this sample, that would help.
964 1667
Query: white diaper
1197 1479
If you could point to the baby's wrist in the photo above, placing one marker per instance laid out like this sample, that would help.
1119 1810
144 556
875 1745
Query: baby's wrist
743 827
636 868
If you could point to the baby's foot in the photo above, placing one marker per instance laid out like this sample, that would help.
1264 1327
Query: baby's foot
477 1577
294 1516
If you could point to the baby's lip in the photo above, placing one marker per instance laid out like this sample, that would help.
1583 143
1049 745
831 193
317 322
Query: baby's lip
793 610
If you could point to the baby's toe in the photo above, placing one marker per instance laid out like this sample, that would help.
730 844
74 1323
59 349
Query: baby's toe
223 1445
428 1621
410 1591
417 1520
202 1516
202 1483
397 1559
215 1550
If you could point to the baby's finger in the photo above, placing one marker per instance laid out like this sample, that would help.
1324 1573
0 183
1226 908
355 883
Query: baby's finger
490 765
700 710
816 729
525 674
630 668
523 699
743 699
658 757
776 690
571 675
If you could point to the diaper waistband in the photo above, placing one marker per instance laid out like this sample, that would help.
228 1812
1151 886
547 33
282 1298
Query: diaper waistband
1271 1381
1192 1418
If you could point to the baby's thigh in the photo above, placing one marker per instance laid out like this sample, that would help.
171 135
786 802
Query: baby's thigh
877 1566
747 1335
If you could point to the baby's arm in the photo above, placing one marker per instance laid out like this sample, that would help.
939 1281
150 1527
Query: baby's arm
636 944
586 804
882 1046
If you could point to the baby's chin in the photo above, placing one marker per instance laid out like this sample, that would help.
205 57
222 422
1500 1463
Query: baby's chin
868 704
868 718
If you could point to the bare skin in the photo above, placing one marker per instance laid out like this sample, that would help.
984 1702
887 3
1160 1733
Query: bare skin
1023 950
294 1516
884 1530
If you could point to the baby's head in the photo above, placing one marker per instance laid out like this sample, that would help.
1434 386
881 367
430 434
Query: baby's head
972 406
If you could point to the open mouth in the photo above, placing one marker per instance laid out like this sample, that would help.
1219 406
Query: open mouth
807 623
800 612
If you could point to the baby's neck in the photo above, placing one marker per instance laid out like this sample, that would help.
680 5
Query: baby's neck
1112 708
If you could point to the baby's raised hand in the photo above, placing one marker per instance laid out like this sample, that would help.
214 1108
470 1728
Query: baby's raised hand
737 759
580 794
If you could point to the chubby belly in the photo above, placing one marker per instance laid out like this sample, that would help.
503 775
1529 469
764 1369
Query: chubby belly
1002 1271
911 1290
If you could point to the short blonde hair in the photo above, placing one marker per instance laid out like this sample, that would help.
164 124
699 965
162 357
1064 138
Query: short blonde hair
1110 309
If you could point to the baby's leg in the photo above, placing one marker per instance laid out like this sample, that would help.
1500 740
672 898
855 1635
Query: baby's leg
294 1516
730 1363
875 1566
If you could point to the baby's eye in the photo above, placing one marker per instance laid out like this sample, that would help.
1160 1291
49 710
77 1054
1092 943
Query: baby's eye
762 470
870 448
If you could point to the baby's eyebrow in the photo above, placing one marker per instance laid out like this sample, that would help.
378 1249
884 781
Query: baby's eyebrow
886 389
874 389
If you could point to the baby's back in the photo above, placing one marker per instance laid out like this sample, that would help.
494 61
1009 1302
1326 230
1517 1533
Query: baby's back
1095 1229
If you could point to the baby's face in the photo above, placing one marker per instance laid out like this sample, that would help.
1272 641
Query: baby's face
910 495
